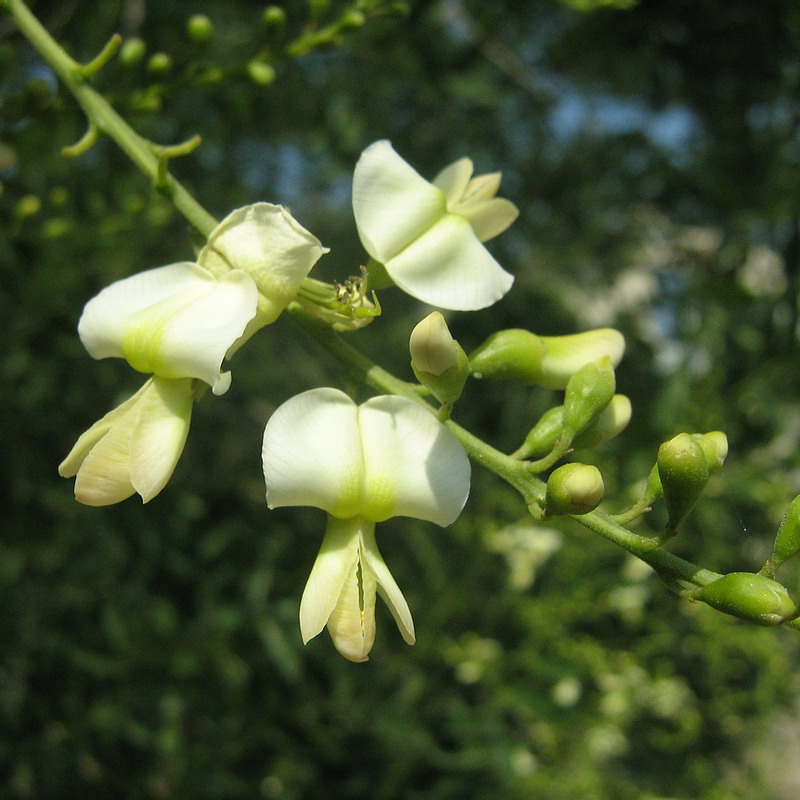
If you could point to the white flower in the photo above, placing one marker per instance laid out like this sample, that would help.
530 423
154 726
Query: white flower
177 321
362 464
133 448
429 235
267 243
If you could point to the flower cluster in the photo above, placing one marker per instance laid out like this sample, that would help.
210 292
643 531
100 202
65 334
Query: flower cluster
361 464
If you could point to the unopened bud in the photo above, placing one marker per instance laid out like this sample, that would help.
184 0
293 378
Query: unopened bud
200 28
610 422
437 359
588 392
544 434
132 51
573 489
159 64
715 447
787 539
564 355
273 18
748 596
260 72
513 354
683 469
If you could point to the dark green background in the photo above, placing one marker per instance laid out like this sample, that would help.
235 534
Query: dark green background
154 651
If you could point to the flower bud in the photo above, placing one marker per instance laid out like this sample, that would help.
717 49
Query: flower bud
683 469
513 355
610 422
543 436
200 28
437 359
588 392
573 489
715 447
159 64
565 355
787 539
132 51
261 73
751 597
273 18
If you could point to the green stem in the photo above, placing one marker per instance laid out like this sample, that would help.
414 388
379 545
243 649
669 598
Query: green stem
106 120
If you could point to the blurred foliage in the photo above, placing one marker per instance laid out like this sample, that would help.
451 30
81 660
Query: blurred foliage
153 651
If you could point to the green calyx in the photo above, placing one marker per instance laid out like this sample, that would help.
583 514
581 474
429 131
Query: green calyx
514 354
683 468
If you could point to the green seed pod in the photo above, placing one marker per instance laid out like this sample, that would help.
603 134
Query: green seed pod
573 489
200 28
787 540
748 596
513 355
437 359
683 470
588 392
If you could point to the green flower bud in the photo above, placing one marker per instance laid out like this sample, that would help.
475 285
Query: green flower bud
683 469
573 489
132 51
437 359
787 540
513 355
159 64
200 28
544 434
565 355
748 596
715 447
610 422
588 392
29 205
260 72
273 18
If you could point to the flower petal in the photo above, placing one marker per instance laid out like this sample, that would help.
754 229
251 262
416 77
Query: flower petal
392 203
337 558
490 218
565 355
448 267
454 179
387 587
72 463
106 316
104 476
482 187
266 242
413 466
176 321
312 453
162 424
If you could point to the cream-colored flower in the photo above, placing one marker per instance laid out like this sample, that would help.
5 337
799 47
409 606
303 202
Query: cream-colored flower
429 235
133 448
362 464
